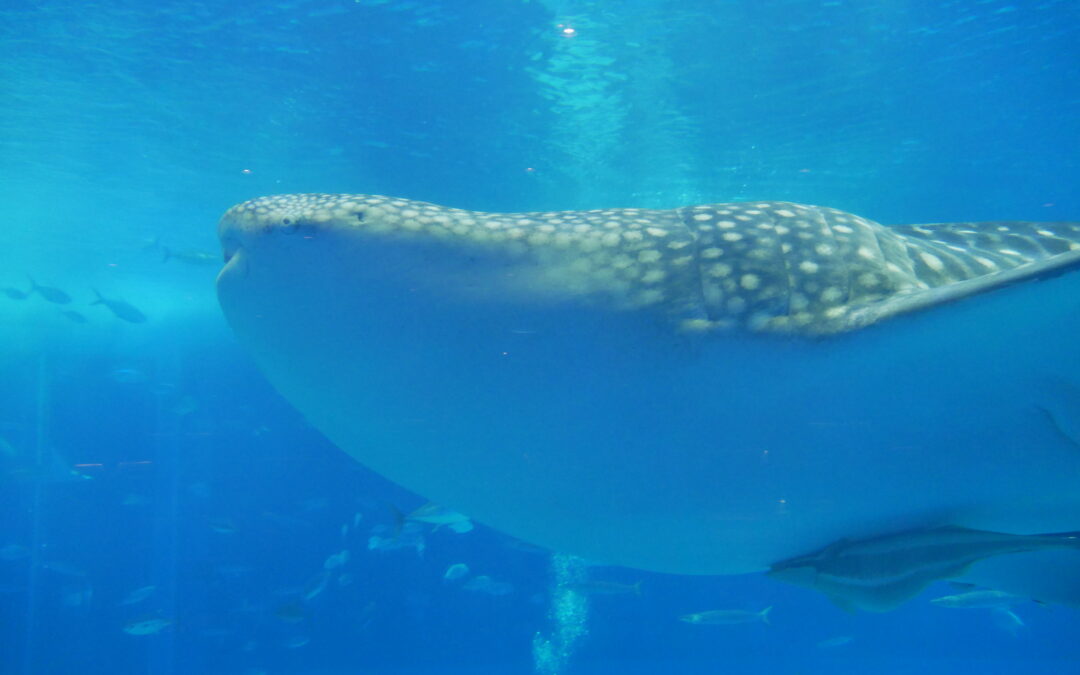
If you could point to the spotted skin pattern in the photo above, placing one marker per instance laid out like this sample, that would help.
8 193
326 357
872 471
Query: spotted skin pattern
771 267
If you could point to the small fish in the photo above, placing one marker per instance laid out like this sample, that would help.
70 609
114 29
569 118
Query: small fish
128 376
198 258
185 406
120 309
223 525
63 568
138 595
366 616
147 626
727 617
456 571
72 315
14 552
291 612
134 499
14 293
415 541
336 560
406 535
53 470
232 572
77 596
297 641
979 600
433 514
7 450
1007 621
485 584
316 585
834 642
314 504
604 588
51 294
524 547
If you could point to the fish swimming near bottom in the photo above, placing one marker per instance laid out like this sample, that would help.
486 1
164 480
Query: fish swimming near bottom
711 389
881 573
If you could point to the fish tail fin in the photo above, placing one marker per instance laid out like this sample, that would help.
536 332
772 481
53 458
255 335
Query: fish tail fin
765 615
99 300
33 284
399 520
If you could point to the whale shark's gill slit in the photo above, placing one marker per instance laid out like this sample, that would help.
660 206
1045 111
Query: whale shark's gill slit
703 312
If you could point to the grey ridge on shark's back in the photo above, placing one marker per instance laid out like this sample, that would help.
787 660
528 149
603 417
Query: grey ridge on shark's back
713 389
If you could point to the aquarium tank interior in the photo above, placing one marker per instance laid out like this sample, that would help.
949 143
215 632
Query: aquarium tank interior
568 337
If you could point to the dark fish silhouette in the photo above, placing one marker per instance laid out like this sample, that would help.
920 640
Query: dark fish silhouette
15 294
73 316
121 309
49 293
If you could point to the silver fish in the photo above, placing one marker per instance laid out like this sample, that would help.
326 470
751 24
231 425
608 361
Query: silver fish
981 599
724 617
147 626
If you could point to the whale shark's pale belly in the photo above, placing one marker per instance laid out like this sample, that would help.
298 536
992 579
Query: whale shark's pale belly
665 435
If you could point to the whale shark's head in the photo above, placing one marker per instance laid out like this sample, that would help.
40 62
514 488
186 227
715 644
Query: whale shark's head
617 259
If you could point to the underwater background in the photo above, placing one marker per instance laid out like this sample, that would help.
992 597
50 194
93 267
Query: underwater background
165 511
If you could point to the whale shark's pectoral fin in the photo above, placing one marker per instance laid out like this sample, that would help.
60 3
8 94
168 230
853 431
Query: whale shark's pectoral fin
922 299
953 261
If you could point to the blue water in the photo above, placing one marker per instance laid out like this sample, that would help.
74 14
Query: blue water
127 128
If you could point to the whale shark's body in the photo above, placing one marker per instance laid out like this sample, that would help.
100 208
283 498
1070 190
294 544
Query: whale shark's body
708 390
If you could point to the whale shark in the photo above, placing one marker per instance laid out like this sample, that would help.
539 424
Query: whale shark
713 389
